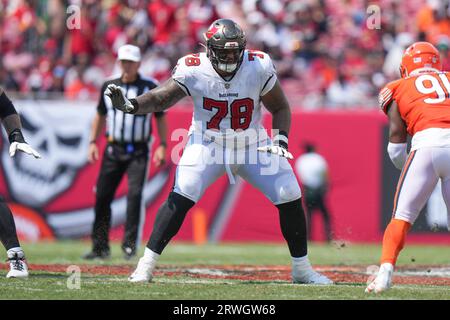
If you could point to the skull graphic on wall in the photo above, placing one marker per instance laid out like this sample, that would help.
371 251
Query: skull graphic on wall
60 133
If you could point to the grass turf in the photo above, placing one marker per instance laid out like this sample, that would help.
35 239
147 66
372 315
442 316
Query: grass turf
52 285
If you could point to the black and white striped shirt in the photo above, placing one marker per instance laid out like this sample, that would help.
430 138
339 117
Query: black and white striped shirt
123 127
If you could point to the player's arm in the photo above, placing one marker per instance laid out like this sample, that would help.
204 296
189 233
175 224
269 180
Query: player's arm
13 127
156 100
397 136
275 101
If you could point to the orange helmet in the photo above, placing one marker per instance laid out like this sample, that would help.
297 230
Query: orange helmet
420 55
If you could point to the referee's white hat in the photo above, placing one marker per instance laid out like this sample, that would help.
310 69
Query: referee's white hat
129 52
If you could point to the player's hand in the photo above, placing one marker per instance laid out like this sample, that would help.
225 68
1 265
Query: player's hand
23 147
118 99
279 150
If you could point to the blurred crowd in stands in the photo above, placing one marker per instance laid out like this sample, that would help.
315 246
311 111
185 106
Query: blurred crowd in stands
325 54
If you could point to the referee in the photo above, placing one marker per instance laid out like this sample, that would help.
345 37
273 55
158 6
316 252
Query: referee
127 151
312 170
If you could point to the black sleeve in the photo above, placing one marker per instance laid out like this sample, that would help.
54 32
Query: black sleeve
6 106
101 107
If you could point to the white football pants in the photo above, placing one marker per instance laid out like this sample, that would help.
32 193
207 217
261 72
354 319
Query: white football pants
203 162
420 174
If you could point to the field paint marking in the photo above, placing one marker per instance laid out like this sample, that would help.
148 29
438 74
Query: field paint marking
33 289
431 272
428 287
193 281
437 275
209 272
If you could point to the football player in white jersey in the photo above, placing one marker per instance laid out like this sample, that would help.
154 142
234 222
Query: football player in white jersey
227 84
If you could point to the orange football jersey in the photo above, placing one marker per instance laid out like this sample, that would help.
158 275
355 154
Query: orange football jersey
423 100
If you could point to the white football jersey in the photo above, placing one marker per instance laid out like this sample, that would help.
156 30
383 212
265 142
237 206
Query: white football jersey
226 107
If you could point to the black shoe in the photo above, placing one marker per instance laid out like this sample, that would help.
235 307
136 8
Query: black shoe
128 252
97 255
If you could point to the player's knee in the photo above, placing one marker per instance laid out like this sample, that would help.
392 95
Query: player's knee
289 192
180 203
191 188
406 216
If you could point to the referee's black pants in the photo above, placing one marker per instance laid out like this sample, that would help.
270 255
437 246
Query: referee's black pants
315 199
119 159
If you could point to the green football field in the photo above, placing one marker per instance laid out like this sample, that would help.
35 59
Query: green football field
226 271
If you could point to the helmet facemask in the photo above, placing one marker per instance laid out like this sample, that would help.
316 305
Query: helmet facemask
226 59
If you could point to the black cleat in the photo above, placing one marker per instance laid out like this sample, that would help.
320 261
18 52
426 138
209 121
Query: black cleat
97 255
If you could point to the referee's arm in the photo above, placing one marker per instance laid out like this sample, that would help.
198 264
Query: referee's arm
159 157
97 127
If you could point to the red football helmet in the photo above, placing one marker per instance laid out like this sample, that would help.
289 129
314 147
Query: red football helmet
420 55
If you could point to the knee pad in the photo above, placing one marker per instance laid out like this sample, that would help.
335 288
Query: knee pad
189 186
288 189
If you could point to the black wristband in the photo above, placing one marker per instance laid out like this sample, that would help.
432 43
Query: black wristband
164 144
282 144
135 105
16 136
284 133
281 139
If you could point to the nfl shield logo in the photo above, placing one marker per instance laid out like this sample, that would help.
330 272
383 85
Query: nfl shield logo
227 86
